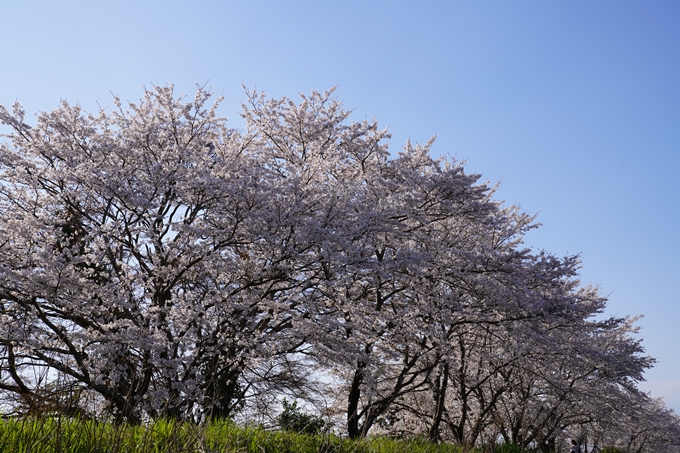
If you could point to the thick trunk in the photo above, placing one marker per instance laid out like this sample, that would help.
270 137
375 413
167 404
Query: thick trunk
548 445
440 398
126 411
353 403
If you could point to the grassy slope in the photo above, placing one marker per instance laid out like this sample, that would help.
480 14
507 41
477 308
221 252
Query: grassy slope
81 436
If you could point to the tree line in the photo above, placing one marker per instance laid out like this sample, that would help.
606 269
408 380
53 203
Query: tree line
155 262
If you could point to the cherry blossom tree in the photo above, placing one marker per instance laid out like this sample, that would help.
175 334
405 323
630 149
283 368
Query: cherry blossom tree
141 253
165 264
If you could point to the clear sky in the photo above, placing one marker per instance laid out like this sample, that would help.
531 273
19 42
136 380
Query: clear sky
573 105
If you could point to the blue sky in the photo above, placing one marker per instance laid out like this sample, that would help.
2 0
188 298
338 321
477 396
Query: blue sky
574 106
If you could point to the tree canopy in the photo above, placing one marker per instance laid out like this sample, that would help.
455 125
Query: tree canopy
156 262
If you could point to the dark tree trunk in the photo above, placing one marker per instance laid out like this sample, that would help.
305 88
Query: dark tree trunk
353 402
440 398
548 445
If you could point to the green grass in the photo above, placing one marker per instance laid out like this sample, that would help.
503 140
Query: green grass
59 435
